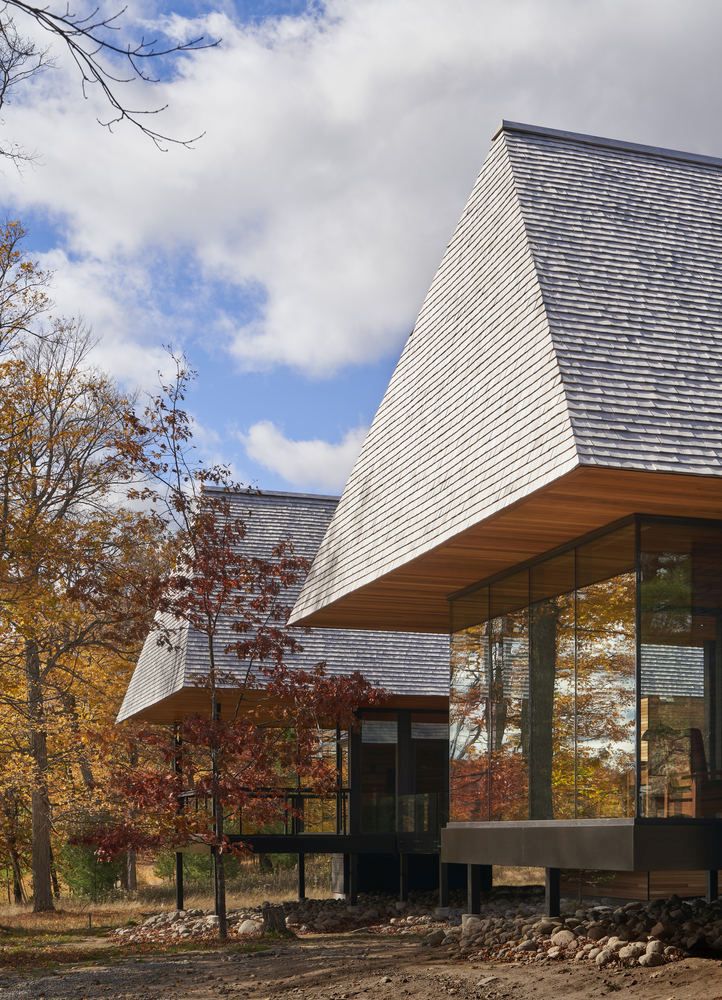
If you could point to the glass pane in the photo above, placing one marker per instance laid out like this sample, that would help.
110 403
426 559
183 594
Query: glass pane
606 676
469 724
509 698
552 778
379 735
681 609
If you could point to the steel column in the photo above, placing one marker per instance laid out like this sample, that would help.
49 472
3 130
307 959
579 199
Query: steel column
712 885
473 888
443 884
353 879
552 892
301 877
403 877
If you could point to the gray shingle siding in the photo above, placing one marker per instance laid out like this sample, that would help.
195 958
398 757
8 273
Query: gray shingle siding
628 250
475 415
403 663
575 319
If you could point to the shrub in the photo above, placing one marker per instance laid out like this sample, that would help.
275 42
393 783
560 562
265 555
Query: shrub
85 875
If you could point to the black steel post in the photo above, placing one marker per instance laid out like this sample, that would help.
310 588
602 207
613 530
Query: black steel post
339 783
486 877
403 877
301 877
179 895
347 875
443 884
353 879
405 778
712 885
552 892
473 889
354 768
178 769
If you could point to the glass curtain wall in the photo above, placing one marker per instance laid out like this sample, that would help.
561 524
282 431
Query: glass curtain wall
680 710
543 689
379 738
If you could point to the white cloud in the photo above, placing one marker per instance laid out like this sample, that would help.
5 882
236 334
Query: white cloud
314 464
340 147
114 300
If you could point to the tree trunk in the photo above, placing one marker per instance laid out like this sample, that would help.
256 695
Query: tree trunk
10 811
542 672
219 868
54 875
274 920
40 800
70 705
18 890
131 871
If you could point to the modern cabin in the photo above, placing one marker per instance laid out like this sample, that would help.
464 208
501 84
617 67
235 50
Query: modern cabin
543 481
382 824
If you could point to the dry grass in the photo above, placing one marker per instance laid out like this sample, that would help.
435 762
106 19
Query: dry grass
75 916
518 876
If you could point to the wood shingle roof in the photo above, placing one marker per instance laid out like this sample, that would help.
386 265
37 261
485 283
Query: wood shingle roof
407 665
572 335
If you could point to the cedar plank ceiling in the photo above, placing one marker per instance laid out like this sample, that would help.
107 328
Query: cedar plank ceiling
565 370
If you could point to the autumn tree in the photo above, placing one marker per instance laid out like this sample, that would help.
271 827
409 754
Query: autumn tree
215 586
23 289
76 565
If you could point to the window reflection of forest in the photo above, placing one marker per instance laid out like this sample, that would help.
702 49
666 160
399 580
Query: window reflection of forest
543 689
680 691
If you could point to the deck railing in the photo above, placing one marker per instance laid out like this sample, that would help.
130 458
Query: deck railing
300 811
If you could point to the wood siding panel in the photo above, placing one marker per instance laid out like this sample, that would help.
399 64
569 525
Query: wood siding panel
634 885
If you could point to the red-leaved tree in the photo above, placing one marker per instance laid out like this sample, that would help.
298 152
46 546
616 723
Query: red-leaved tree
280 720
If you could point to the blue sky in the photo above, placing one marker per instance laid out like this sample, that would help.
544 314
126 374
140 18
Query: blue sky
289 253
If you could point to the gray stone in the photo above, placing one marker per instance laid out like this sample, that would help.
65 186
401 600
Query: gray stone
633 950
604 957
561 939
650 959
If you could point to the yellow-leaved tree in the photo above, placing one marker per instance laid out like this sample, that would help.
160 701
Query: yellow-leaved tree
77 571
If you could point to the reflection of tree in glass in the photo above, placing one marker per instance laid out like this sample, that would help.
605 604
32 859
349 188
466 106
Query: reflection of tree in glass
468 727
605 701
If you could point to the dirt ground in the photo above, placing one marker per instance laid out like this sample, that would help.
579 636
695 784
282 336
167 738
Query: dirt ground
347 966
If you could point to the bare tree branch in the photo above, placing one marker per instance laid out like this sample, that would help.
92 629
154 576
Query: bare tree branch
102 62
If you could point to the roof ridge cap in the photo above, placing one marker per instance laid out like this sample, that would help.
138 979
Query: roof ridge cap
581 138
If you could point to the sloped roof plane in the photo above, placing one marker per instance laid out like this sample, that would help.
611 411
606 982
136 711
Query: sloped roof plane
166 682
564 371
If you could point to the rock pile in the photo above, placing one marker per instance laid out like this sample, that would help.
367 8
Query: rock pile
310 916
188 925
510 929
646 934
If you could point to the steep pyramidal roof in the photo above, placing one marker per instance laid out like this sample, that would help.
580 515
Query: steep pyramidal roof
166 680
574 324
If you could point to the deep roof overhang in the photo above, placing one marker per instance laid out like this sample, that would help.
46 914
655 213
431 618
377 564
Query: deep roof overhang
196 701
415 595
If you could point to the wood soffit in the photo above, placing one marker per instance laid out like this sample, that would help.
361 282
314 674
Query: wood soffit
414 596
195 701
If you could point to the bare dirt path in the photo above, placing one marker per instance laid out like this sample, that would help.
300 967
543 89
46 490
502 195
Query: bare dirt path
359 965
